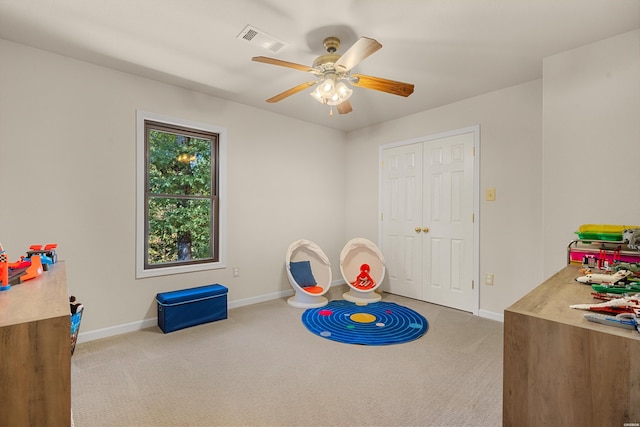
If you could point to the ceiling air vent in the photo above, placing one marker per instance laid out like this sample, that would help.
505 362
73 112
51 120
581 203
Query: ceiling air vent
260 38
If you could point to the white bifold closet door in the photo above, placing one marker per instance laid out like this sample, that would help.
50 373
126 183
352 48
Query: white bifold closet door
427 220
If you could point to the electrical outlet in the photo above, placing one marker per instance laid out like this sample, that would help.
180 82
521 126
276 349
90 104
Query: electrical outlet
236 272
491 194
488 279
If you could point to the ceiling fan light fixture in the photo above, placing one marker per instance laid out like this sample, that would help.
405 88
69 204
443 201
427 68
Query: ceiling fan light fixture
328 87
331 93
342 93
317 95
344 90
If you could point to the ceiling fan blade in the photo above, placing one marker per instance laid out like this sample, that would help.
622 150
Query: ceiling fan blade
360 50
344 107
281 63
383 85
292 91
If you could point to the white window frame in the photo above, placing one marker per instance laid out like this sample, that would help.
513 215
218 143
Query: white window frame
141 272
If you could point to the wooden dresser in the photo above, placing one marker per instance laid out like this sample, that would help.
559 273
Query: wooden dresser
562 370
35 352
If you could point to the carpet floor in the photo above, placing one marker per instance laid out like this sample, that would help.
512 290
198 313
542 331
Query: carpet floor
262 367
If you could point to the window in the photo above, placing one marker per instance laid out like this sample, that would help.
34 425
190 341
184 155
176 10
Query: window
180 196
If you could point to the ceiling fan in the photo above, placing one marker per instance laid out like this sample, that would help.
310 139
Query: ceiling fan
332 71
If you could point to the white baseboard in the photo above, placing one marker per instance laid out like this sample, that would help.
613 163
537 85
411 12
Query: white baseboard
116 330
261 298
148 323
491 315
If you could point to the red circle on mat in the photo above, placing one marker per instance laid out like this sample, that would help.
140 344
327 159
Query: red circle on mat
325 312
388 311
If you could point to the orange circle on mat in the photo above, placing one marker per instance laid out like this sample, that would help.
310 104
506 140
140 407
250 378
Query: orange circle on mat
363 317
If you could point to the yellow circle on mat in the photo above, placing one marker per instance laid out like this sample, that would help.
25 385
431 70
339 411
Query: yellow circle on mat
363 317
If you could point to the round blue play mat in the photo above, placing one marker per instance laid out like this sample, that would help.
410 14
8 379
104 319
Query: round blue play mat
378 323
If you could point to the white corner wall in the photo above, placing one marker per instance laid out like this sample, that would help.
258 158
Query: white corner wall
67 161
578 170
510 160
591 104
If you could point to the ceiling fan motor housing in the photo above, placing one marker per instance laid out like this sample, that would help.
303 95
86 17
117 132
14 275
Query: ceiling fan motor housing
325 62
331 44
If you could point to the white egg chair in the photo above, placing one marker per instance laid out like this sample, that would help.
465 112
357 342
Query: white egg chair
362 267
309 272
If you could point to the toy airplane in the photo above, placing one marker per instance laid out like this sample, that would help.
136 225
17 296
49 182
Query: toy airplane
621 312
604 278
626 321
626 288
614 306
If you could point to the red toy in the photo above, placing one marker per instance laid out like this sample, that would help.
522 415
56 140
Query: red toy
19 264
364 281
34 270
4 270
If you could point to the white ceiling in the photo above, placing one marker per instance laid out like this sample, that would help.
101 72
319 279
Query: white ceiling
450 49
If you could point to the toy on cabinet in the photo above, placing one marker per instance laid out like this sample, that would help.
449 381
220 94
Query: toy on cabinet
605 247
4 270
34 270
37 260
610 279
47 254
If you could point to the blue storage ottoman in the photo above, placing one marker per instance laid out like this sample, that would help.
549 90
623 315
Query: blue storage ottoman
189 307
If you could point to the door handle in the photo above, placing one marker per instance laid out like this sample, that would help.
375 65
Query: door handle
418 229
426 229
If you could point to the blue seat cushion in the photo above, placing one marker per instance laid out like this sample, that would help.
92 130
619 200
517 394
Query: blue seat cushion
301 272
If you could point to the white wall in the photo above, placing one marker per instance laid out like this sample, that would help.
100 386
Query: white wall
510 160
67 161
591 141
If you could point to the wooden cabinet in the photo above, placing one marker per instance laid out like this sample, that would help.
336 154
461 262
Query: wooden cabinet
35 352
562 370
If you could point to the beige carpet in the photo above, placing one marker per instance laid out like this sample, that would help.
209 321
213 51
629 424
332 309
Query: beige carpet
261 367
